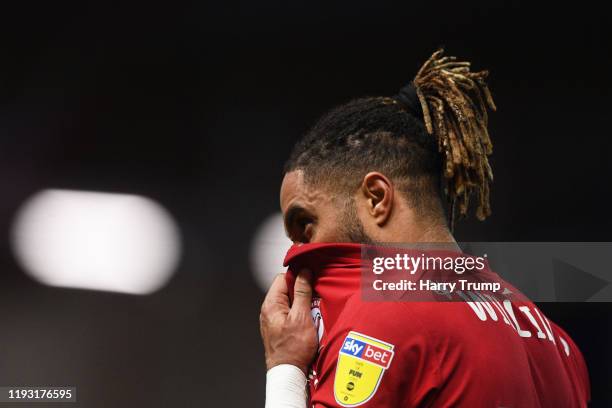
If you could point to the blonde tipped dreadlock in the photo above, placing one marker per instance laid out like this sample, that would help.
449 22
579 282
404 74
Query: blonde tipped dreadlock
454 102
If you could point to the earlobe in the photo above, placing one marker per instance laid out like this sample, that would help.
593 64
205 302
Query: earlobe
378 191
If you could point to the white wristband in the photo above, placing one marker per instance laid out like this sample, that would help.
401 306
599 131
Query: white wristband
285 387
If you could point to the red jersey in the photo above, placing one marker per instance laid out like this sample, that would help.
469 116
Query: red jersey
434 354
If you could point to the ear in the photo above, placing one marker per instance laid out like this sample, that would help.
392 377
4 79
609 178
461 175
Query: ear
378 191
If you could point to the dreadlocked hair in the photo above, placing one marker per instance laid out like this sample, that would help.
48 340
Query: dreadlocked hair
431 139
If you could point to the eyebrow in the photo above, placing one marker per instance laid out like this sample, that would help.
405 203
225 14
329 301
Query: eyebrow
290 215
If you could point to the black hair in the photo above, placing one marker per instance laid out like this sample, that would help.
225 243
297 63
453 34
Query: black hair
431 139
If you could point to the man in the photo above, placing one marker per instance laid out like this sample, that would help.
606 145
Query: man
397 170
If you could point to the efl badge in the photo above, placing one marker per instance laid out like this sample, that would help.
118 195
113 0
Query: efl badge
317 317
361 364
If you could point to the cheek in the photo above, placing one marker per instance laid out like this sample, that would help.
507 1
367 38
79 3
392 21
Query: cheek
328 230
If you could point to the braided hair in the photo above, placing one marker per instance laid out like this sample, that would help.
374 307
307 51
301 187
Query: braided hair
431 139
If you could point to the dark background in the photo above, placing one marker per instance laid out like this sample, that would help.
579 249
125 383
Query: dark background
197 106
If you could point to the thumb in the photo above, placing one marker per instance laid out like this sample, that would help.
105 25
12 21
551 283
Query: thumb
302 292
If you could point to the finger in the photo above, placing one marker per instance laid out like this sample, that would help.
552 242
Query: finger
278 293
302 292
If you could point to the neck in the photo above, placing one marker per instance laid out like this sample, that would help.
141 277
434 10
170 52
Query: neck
435 233
420 232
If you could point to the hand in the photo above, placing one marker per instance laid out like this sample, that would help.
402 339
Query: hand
288 333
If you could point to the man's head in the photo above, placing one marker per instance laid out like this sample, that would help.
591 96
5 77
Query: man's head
388 169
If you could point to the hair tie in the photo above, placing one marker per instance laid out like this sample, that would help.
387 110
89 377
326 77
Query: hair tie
409 99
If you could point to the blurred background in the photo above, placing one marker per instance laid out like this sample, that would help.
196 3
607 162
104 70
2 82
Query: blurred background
141 153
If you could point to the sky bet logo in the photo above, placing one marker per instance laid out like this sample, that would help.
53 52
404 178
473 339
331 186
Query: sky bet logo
367 352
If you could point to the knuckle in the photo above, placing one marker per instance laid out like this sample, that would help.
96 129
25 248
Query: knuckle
304 292
265 311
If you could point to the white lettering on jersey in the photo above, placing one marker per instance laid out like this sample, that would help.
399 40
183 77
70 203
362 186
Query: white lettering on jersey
527 313
479 305
565 345
546 325
484 306
521 332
